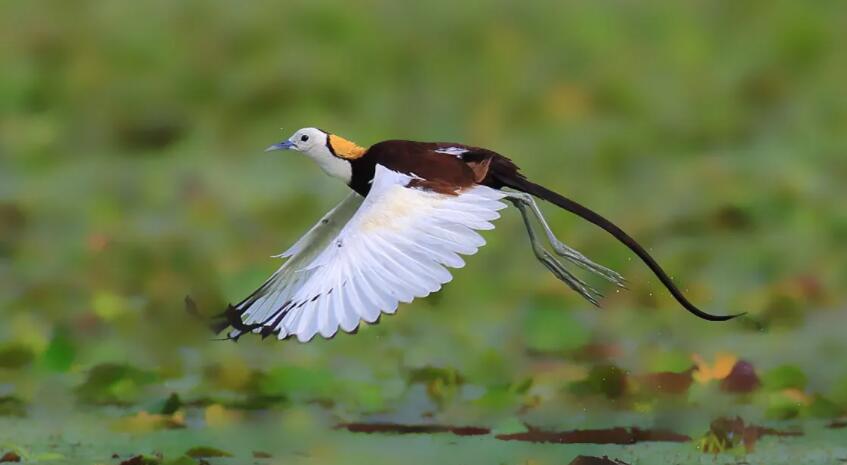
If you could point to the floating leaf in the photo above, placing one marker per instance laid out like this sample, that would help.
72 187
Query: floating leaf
10 457
234 375
838 394
742 379
11 406
512 425
143 422
616 435
498 398
60 353
295 381
47 457
821 407
502 397
111 383
669 362
784 377
429 374
366 397
142 460
172 404
182 460
668 382
108 306
608 380
396 428
217 415
719 370
797 396
727 433
206 452
15 356
442 383
549 329
782 407
592 460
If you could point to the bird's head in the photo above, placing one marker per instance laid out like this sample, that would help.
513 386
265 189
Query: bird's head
332 153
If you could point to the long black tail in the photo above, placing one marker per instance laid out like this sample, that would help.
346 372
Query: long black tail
518 182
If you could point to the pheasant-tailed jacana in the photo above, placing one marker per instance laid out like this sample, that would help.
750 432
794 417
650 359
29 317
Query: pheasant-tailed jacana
414 209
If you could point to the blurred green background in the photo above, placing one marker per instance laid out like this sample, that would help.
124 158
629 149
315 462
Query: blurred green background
132 175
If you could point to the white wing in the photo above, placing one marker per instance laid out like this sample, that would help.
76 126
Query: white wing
281 286
394 248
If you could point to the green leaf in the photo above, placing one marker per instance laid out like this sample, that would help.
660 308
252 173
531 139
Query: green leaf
108 305
781 407
296 381
511 425
172 404
822 407
181 460
607 380
784 377
366 397
839 391
47 457
11 406
142 459
60 353
448 376
669 361
498 398
112 383
15 356
549 329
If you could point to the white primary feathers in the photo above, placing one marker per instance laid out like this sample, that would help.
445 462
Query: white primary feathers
368 255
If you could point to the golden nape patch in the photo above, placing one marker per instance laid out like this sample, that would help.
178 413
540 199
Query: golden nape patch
344 148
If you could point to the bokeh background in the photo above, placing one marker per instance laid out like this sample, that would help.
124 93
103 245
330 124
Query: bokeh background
132 175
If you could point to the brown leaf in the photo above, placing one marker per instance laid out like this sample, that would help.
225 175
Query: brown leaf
141 460
742 378
206 452
668 382
412 429
597 352
729 432
10 457
596 436
590 460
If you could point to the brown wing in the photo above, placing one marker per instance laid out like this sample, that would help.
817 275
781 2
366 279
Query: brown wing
444 167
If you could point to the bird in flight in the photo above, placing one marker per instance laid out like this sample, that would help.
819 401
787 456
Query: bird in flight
414 209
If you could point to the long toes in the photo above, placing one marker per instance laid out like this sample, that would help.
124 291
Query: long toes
583 262
578 285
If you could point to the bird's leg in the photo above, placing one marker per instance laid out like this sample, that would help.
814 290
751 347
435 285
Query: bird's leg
562 249
549 261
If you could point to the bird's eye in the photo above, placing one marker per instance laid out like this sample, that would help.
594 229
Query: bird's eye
304 138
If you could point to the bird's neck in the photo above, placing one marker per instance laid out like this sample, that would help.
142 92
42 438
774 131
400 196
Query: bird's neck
343 148
362 174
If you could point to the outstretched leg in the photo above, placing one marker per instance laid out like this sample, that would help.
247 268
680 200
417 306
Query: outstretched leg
545 257
526 204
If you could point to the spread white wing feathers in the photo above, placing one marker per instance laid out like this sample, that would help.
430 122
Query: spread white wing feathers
255 309
396 247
